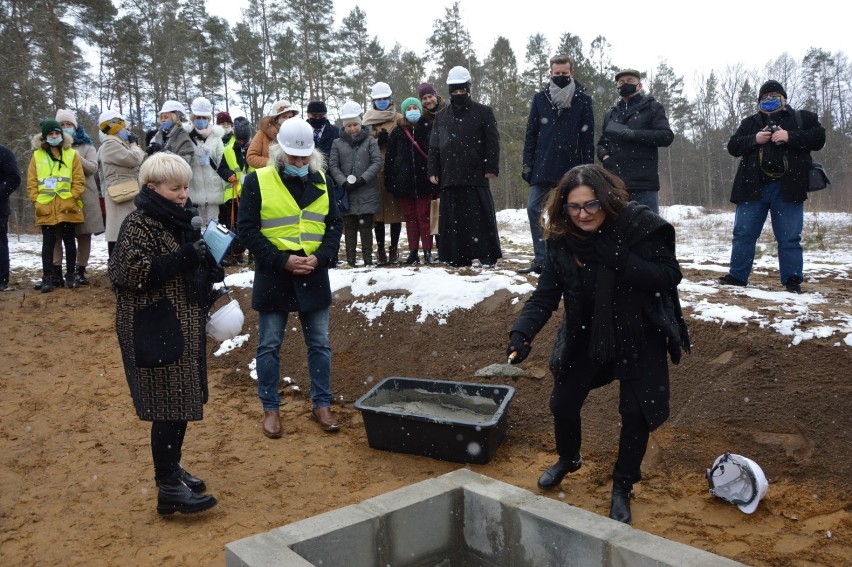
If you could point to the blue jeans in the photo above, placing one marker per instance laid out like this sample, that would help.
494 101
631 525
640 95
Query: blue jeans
787 222
271 327
538 195
650 199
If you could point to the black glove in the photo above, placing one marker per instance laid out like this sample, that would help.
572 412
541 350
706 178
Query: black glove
153 148
627 135
526 173
191 253
519 347
383 138
360 182
609 251
132 138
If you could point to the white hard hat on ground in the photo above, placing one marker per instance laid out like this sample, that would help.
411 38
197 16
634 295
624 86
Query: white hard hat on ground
296 137
458 75
201 107
350 109
380 90
739 480
227 322
172 106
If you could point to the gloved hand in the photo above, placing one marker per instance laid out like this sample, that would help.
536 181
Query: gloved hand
191 253
153 148
526 173
359 183
519 348
627 135
132 138
348 186
609 251
382 138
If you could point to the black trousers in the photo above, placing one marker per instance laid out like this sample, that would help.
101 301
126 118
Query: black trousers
353 225
166 444
582 375
49 235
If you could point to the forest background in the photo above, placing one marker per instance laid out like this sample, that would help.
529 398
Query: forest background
132 55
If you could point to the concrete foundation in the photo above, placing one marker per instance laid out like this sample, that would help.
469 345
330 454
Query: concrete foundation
462 519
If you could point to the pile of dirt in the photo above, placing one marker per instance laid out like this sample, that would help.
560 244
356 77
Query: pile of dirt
76 467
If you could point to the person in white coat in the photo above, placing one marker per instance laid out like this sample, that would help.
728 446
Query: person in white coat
205 188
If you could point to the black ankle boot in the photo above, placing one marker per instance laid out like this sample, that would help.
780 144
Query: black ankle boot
393 255
46 285
619 508
57 277
427 256
554 475
383 258
70 280
195 484
176 496
81 276
413 258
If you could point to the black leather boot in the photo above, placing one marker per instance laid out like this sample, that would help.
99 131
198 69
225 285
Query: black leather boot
427 256
413 258
81 276
393 255
70 280
175 496
57 276
383 257
195 484
619 508
554 475
46 285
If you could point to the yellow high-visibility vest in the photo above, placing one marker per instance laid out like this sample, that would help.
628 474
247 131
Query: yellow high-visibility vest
231 159
54 177
287 226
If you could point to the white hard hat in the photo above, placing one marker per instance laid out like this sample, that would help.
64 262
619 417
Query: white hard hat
280 107
201 107
739 480
458 75
296 137
380 90
172 106
108 115
227 322
350 109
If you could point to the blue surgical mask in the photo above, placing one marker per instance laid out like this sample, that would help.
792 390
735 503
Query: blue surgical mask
201 123
294 171
54 141
382 104
771 105
412 115
123 134
166 125
70 131
101 136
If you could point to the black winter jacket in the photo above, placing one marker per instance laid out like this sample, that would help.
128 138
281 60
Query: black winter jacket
634 157
464 146
405 166
802 141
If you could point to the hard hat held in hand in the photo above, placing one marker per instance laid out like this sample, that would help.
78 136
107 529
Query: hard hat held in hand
380 90
296 137
739 480
227 322
458 76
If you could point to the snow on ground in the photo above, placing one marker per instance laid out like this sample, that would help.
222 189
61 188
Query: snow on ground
703 240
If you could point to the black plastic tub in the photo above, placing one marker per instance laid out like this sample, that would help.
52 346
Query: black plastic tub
450 421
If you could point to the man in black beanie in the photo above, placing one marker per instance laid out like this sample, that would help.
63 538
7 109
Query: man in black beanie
774 146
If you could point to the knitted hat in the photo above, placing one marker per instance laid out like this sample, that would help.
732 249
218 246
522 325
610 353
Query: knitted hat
317 107
65 115
455 86
771 86
223 117
409 101
48 126
426 88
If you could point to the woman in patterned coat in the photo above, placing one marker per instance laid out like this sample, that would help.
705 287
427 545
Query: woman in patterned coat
163 278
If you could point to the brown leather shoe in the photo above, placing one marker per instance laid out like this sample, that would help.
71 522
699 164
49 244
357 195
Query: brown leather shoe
326 419
272 424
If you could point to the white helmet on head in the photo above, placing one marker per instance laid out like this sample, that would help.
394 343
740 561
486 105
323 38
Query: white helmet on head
350 109
172 106
201 107
458 75
739 480
108 115
280 107
296 137
380 90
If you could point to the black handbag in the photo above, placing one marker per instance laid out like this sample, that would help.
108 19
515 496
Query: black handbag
817 178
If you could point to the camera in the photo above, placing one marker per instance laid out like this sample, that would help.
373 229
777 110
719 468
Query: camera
772 128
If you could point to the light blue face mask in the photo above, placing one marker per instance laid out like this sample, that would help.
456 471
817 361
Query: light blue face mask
101 136
294 171
771 105
412 115
383 104
70 131
166 125
201 123
123 134
54 141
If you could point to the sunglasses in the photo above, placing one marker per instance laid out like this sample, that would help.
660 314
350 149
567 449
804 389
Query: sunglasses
591 207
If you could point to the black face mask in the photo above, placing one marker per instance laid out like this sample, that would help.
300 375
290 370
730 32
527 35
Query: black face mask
561 81
459 99
627 89
316 123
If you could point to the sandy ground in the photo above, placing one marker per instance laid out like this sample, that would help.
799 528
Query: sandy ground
77 480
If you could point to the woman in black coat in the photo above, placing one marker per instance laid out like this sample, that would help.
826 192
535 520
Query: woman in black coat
613 262
163 279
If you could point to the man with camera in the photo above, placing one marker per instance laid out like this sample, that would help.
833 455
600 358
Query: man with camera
775 146
632 131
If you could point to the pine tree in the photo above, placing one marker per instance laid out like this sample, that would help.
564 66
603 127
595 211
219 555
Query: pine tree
450 44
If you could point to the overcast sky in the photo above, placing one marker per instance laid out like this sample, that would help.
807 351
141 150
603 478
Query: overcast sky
693 37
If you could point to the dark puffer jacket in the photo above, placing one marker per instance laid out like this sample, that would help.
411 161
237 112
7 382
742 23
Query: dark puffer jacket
635 158
802 141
